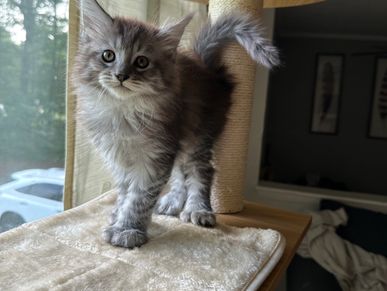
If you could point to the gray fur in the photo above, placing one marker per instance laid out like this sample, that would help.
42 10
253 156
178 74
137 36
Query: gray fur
162 122
93 17
240 27
173 202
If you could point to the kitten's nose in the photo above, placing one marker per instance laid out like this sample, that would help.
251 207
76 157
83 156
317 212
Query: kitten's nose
122 77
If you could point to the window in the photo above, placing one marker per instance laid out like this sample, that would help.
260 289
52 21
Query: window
44 190
33 46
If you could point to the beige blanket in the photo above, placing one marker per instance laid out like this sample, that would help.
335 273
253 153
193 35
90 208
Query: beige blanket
65 252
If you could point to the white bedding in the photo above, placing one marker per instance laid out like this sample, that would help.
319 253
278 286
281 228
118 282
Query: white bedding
66 252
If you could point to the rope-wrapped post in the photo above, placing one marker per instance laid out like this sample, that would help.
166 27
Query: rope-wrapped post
231 150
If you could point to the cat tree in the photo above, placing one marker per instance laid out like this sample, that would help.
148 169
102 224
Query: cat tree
231 151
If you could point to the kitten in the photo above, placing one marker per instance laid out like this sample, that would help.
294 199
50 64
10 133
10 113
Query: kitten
155 113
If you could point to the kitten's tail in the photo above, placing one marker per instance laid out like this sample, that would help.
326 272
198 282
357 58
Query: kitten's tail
234 27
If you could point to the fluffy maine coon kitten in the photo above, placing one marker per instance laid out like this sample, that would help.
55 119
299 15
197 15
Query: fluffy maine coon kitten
154 113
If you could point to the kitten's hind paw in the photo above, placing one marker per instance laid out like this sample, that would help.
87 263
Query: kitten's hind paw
127 238
169 205
202 217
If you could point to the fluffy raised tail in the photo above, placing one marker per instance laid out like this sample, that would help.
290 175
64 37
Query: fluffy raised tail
234 27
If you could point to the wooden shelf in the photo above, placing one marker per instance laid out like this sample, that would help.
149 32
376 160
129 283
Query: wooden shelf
292 225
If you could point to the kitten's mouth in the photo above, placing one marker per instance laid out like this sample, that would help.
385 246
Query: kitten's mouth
125 85
117 89
122 86
128 88
120 91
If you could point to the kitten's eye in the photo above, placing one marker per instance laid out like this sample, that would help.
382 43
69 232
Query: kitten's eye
141 62
108 56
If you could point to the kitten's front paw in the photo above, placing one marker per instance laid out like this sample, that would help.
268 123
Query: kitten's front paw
169 205
201 217
127 238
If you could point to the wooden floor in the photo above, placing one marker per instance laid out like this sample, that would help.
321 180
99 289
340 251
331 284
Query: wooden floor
292 225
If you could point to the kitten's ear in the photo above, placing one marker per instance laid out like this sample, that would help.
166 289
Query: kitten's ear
93 18
171 33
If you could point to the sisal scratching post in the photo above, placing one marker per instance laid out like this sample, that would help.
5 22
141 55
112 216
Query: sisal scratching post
231 150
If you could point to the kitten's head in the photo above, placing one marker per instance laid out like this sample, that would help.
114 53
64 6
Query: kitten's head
126 57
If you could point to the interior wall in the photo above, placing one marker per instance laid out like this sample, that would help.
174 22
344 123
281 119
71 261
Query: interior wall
291 151
258 114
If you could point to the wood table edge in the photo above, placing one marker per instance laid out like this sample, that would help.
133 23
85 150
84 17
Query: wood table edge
247 217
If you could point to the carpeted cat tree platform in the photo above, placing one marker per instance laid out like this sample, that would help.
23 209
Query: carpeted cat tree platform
66 252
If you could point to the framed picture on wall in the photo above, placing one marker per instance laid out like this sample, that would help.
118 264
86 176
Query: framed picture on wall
327 93
378 113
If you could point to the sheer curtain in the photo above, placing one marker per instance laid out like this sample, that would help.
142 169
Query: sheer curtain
86 175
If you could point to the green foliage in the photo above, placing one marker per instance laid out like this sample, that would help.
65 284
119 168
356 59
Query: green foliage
32 81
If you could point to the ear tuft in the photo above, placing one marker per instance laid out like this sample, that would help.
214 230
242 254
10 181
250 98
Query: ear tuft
94 18
173 32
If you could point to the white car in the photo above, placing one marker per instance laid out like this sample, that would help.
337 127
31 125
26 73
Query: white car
35 193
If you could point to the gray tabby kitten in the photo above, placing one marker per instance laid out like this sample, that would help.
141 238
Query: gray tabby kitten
155 113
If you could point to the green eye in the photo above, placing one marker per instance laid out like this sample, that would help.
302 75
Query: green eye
141 62
108 56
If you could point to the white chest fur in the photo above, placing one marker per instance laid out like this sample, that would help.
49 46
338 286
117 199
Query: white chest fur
120 139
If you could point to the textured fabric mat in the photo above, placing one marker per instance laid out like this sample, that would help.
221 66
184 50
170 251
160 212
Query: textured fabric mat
66 252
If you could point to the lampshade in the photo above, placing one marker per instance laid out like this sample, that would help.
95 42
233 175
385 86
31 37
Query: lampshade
287 3
276 3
